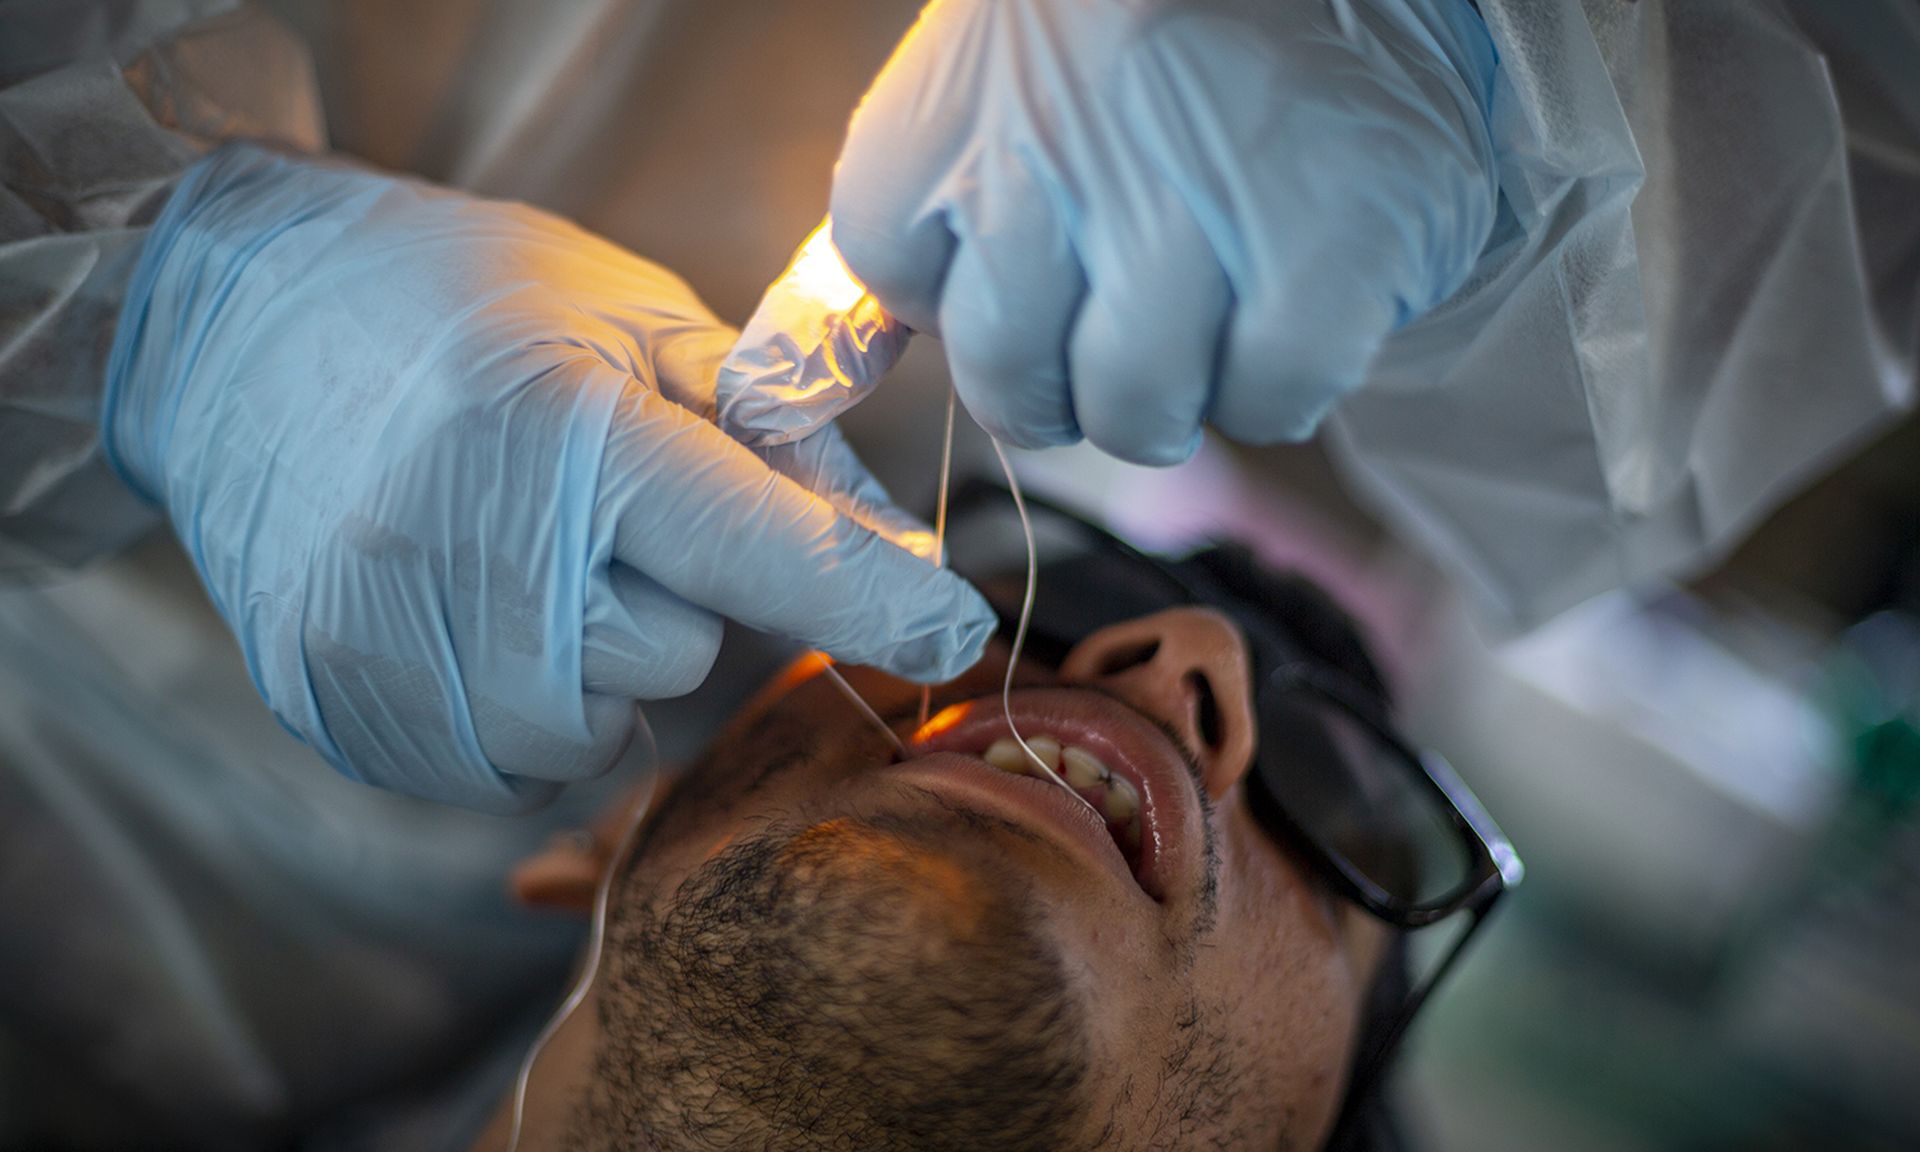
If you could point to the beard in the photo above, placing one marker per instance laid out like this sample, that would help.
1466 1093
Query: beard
859 984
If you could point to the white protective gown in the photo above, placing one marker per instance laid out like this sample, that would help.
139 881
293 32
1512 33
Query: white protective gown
1704 287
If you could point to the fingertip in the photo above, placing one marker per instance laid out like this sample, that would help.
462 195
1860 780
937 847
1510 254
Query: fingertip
1007 314
1145 350
610 723
1033 414
1294 422
1284 371
1286 408
1030 437
1158 451
1148 418
947 647
970 642
688 669
745 410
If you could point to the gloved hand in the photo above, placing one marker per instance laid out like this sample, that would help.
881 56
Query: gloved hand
1127 217
447 468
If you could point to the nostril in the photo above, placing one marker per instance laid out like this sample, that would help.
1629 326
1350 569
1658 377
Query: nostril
1127 656
1206 709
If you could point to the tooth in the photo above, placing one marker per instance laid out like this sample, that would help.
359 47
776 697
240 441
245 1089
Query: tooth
1123 803
1082 768
1048 749
1005 755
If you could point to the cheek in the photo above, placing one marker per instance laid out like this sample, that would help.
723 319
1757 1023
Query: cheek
1270 894
1127 975
1283 970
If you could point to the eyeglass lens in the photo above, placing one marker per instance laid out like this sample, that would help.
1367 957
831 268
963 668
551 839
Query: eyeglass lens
1360 798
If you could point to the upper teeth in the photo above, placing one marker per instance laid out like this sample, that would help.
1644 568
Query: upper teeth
1084 773
1083 768
1047 749
1007 755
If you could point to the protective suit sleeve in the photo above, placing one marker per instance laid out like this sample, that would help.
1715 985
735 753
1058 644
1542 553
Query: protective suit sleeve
1699 294
102 106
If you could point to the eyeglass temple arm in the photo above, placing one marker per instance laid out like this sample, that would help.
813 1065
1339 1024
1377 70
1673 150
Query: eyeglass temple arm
1500 849
1367 1078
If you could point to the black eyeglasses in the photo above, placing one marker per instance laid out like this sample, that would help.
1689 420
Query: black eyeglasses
1388 827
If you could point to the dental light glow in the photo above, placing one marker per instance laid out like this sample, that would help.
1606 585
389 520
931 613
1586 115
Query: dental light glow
941 721
821 274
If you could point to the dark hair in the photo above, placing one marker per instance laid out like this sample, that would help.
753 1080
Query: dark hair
1300 609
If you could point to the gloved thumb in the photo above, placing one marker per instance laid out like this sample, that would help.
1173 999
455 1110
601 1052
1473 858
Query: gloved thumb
815 346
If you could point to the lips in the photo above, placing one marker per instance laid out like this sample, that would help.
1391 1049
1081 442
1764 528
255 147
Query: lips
948 756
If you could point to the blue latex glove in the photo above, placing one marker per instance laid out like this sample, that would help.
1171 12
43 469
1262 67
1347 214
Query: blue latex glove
1127 217
447 468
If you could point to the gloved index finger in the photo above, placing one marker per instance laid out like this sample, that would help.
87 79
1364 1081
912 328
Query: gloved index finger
825 465
815 346
711 521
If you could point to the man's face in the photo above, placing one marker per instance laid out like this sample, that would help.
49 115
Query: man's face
820 943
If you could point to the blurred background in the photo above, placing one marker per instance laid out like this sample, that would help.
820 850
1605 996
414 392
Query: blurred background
1716 788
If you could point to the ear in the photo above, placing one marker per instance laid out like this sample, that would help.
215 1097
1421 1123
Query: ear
563 875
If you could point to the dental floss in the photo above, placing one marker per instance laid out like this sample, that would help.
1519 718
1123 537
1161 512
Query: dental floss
596 941
1020 633
866 709
940 531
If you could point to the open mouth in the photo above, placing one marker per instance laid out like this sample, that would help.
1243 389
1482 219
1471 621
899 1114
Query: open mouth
1134 783
1113 797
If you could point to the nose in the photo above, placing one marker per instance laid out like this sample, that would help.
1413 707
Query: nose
1189 669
